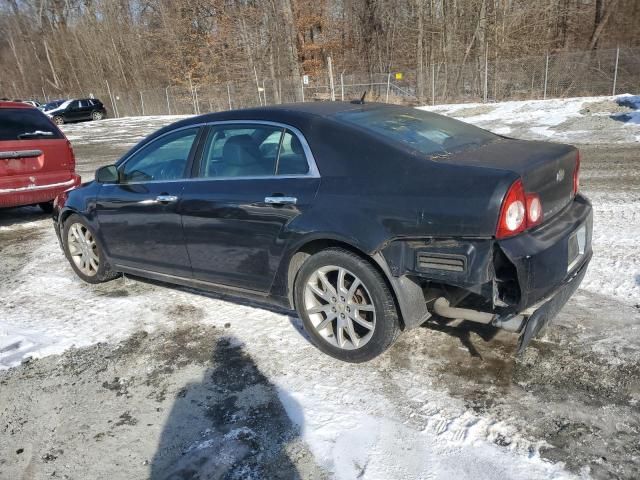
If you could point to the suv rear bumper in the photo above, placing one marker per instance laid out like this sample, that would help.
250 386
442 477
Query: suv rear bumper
22 190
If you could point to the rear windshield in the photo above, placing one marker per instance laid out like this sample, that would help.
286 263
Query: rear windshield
423 131
26 124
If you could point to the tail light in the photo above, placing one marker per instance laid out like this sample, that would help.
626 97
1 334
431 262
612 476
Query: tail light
72 163
576 175
534 209
519 211
513 212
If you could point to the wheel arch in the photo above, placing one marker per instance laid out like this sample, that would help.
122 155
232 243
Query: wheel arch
311 246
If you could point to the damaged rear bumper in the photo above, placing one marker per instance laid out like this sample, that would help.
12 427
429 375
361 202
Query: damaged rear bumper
518 283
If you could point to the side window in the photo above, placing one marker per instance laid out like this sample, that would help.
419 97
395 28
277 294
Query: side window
75 105
292 160
163 159
240 151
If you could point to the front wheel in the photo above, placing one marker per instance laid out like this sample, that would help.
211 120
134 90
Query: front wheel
82 249
58 120
346 305
97 115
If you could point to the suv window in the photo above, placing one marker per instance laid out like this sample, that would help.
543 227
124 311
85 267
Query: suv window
84 103
25 124
163 159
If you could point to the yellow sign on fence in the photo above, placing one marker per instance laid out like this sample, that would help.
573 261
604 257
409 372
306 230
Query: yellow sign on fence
398 75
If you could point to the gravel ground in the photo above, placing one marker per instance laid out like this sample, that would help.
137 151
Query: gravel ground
201 386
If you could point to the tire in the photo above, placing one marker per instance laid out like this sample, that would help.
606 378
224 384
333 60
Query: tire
378 325
58 120
74 250
97 115
46 207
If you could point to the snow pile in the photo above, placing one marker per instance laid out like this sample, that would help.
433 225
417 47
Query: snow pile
632 102
579 120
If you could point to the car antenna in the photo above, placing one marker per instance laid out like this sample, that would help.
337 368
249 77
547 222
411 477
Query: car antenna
361 101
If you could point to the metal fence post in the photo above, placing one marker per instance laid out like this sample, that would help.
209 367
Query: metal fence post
302 88
331 87
388 85
546 76
615 72
229 95
433 84
486 72
166 91
142 103
341 87
113 103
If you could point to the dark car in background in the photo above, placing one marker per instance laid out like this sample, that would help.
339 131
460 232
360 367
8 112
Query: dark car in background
368 219
36 159
76 110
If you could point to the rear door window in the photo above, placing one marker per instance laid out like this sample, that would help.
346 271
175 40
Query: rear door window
26 124
241 151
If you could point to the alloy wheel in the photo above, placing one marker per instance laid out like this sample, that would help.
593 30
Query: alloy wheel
96 115
340 307
83 249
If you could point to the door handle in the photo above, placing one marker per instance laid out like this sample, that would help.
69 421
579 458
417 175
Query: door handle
166 199
281 200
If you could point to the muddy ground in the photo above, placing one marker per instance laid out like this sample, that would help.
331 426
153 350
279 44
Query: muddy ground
196 400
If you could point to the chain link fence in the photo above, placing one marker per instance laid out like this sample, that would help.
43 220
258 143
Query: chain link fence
571 74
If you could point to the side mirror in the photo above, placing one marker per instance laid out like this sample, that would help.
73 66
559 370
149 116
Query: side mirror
107 174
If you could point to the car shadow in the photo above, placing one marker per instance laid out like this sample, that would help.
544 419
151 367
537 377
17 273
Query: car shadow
20 215
233 423
463 331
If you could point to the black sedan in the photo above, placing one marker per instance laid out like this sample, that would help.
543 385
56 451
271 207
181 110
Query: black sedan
368 219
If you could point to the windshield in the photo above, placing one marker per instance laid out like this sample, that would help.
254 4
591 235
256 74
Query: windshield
25 124
423 131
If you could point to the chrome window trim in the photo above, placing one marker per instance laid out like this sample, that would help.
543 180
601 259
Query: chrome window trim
311 161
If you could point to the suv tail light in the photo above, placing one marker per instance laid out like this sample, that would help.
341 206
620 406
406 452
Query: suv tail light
519 211
576 175
72 164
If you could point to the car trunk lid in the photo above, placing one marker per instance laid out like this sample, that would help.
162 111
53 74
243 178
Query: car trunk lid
545 168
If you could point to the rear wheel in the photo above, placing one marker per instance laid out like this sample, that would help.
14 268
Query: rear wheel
46 207
82 249
346 306
58 120
97 115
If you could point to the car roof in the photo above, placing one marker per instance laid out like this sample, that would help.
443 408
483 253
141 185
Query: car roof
15 105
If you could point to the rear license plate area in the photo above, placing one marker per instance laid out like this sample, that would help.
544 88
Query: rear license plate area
576 247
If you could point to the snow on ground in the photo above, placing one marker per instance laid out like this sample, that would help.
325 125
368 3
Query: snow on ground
344 411
577 120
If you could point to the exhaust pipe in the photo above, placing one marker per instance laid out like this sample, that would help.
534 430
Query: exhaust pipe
443 308
511 323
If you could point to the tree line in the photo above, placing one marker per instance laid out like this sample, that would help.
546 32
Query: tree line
61 46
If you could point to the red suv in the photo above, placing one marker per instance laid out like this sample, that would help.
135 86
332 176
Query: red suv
36 159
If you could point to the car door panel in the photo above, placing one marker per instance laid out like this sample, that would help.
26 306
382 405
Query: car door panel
234 237
140 231
139 217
